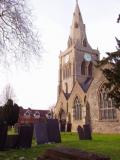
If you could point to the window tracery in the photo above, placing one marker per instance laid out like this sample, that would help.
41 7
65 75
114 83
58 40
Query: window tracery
107 109
77 109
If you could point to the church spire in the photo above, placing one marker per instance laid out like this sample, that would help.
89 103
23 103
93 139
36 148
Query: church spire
76 1
77 33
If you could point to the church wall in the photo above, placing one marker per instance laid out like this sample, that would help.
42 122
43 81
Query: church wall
61 104
70 86
98 126
76 92
69 80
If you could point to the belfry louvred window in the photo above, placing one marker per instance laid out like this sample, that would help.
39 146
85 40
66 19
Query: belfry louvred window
90 68
67 71
83 68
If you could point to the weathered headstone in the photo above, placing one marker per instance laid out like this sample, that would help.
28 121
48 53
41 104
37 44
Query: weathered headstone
3 135
87 132
25 136
53 131
11 141
62 153
62 125
40 131
69 125
80 132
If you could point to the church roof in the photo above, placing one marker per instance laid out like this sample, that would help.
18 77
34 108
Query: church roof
86 84
67 95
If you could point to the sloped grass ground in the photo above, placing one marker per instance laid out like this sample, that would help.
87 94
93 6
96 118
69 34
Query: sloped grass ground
102 144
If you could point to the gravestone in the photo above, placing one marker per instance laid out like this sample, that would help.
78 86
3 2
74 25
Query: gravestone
11 141
53 131
62 125
87 132
40 131
80 132
69 125
25 136
3 135
62 153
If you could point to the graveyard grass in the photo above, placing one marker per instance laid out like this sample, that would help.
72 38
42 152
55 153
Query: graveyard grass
102 144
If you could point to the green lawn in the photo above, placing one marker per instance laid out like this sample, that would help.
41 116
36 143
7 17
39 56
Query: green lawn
103 144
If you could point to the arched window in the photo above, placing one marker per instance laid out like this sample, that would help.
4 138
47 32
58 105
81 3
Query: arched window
69 42
83 68
107 109
66 87
67 71
90 68
77 109
63 73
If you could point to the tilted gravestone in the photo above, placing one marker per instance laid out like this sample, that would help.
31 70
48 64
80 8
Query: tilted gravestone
25 136
53 131
40 131
3 135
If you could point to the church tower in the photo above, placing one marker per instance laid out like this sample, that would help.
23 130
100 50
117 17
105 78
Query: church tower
82 96
76 62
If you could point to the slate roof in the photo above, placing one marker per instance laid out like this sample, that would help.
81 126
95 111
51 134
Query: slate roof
33 111
67 95
86 84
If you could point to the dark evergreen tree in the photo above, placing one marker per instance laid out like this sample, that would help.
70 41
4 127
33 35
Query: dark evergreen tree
10 112
2 117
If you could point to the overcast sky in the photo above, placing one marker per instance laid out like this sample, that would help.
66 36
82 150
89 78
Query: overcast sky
37 87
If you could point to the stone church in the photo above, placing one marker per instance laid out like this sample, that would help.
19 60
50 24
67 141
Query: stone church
82 97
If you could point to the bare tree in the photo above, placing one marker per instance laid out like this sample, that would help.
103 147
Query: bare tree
51 111
8 93
51 108
17 39
118 19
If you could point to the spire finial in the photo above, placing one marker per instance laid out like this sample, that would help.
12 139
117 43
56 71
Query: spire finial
76 1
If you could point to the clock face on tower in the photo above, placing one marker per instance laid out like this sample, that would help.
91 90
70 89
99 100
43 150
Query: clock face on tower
87 57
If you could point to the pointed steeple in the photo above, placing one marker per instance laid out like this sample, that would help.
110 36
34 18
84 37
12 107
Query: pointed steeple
77 33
